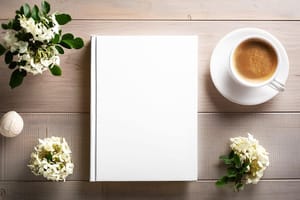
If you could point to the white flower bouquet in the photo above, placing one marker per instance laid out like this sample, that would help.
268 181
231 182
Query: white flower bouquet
51 158
33 41
246 162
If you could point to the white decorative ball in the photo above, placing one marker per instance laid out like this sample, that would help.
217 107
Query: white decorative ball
11 124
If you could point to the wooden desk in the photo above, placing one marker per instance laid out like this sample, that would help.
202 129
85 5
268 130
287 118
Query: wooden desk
60 105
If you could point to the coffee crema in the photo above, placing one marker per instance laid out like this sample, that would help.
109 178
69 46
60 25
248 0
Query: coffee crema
255 60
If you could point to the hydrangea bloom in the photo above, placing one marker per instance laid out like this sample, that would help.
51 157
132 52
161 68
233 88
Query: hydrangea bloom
51 158
249 149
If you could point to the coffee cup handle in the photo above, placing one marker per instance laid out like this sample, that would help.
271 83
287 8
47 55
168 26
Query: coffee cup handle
276 85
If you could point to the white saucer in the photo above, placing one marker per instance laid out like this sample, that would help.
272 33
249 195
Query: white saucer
219 70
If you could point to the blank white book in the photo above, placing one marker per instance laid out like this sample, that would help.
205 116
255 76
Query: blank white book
144 108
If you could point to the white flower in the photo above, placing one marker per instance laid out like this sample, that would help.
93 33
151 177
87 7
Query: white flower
51 61
10 38
21 46
26 57
41 60
39 31
34 68
12 43
52 159
55 27
27 24
42 33
249 150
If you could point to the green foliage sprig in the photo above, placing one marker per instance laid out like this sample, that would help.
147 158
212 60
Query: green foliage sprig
235 171
246 162
33 41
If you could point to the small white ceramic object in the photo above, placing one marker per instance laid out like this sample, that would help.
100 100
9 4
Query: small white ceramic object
11 124
224 82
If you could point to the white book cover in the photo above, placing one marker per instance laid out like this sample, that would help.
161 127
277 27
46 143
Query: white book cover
144 108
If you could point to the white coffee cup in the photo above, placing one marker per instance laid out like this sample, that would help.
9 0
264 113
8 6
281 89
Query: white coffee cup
270 81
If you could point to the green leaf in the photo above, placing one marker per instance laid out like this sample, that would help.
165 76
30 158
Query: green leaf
16 78
35 13
49 157
62 19
56 38
222 181
5 26
238 187
245 167
26 10
19 12
12 65
45 7
59 49
219 183
22 63
228 161
16 24
232 172
68 36
8 57
2 50
66 43
223 157
231 154
24 36
55 70
78 43
237 161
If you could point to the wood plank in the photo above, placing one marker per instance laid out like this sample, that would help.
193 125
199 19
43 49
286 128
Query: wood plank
70 93
265 190
168 9
15 152
278 133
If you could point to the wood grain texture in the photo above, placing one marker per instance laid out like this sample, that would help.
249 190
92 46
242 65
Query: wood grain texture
15 152
60 105
71 92
206 190
278 133
167 9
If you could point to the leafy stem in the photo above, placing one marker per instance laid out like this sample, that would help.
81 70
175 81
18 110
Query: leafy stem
236 170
